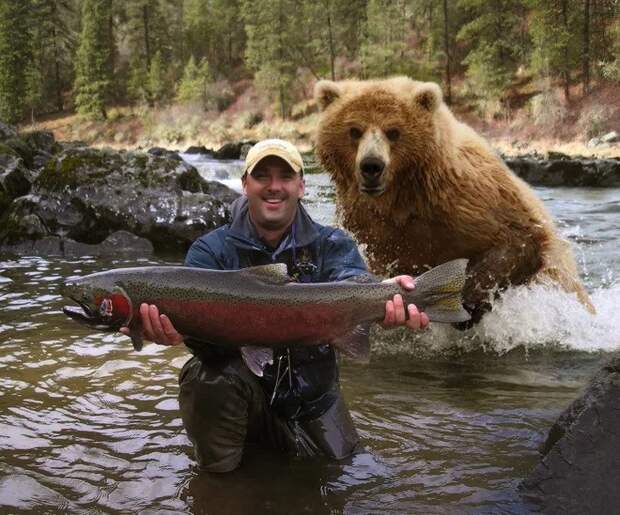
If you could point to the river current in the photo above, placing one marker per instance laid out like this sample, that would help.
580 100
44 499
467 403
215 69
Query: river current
451 421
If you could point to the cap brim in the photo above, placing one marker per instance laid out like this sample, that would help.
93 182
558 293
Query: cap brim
282 155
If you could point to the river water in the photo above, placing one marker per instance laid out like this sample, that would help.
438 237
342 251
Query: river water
451 421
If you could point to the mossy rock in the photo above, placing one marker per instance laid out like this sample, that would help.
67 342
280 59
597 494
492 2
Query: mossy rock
23 149
6 150
41 140
71 171
5 201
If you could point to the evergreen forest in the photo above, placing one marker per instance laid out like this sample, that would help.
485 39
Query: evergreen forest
92 56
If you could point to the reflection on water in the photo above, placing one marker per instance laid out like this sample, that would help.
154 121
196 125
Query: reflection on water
87 425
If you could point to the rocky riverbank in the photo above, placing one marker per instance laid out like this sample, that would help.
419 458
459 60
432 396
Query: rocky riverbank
556 169
69 199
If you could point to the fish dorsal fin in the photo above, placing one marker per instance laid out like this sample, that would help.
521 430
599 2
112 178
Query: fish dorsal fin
272 274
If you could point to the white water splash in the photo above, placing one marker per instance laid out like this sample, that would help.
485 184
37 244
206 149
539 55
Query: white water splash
530 317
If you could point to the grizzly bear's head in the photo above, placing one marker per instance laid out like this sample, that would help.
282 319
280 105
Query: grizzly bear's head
372 132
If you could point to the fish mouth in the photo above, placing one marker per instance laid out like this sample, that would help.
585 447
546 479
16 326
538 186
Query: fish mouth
84 315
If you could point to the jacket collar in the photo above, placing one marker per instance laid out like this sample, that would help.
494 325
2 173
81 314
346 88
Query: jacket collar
242 232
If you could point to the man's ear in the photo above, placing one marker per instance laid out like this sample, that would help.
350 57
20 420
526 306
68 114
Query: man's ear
302 189
428 96
325 92
244 180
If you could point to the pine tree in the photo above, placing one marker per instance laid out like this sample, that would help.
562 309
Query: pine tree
15 58
53 40
553 23
271 32
93 68
193 85
496 45
383 49
156 81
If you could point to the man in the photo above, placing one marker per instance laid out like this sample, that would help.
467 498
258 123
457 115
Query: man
296 406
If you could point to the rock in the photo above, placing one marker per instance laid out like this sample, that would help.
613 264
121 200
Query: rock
580 470
86 195
118 243
580 172
15 178
199 150
234 150
6 132
610 137
222 173
164 152
42 141
557 156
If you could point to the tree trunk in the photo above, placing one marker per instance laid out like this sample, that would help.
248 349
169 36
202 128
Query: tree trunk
565 67
446 44
147 44
585 59
332 50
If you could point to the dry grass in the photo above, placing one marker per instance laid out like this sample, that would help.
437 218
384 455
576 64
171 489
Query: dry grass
542 123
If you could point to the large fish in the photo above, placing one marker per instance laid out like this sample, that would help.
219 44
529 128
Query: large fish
259 307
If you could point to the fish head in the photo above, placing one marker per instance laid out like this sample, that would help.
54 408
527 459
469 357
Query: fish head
100 303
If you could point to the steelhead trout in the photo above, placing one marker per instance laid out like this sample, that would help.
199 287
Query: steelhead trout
259 307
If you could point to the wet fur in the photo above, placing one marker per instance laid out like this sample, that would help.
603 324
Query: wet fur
447 195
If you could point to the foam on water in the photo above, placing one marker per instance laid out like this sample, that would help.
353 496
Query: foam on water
531 317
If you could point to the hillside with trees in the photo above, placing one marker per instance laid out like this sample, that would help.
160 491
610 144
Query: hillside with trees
178 71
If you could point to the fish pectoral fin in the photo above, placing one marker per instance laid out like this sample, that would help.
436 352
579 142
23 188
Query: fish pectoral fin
257 358
276 273
355 345
135 333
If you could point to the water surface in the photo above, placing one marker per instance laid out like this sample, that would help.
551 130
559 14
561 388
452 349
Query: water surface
451 421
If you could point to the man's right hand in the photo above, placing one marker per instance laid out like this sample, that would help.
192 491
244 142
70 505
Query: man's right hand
156 327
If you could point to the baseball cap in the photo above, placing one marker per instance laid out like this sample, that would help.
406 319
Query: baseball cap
274 147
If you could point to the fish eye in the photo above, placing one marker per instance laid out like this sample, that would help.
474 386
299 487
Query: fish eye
392 134
355 133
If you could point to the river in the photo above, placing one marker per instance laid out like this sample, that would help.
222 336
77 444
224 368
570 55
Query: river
451 421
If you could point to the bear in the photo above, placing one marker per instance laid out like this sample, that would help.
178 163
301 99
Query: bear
420 188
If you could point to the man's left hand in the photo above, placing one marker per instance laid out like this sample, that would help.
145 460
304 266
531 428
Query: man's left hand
395 309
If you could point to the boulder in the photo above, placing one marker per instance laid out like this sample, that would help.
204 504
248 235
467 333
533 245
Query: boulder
164 152
120 243
236 150
6 132
581 172
199 150
85 195
15 178
579 471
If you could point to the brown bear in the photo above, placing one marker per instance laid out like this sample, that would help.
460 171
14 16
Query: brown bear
420 188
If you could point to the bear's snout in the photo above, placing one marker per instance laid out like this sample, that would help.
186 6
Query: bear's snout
371 168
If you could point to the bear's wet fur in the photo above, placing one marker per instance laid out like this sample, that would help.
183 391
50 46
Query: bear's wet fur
419 188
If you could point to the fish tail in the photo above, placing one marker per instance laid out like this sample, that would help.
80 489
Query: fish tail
439 292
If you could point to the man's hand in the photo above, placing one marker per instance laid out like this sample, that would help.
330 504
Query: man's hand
395 308
156 327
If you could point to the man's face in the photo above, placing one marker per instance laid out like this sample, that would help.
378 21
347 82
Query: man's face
273 190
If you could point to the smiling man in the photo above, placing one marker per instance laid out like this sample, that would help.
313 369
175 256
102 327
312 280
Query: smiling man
296 406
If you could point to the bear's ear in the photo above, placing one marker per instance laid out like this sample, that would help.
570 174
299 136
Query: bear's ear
428 96
325 92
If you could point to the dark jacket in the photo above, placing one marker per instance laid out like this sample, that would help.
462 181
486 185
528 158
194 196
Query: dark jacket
312 253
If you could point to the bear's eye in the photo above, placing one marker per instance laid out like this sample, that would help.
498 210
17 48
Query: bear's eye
392 134
355 133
